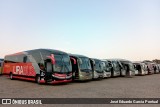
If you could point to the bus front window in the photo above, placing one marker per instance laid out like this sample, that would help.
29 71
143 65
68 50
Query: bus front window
98 66
104 66
131 67
58 63
67 63
85 65
62 64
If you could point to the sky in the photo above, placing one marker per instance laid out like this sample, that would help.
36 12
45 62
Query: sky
104 29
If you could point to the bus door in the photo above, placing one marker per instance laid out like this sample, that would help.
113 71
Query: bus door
117 68
48 72
92 66
75 72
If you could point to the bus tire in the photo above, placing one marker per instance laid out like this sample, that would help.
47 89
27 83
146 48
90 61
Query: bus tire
11 76
37 79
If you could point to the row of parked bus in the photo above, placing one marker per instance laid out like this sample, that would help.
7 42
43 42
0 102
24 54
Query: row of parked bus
54 66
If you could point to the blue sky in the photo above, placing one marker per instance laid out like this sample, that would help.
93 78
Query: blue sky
127 29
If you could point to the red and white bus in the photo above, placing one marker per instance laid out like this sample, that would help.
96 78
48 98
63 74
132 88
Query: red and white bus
40 65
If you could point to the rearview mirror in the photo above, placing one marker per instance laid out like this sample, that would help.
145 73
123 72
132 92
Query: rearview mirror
52 58
74 60
93 62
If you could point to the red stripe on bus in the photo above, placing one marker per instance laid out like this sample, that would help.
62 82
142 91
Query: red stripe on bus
24 78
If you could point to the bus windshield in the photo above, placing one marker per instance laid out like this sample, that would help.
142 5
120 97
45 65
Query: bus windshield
105 65
85 64
131 66
62 63
98 66
67 62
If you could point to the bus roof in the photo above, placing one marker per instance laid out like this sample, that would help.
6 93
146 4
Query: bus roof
137 62
48 50
118 59
76 55
147 61
39 50
96 59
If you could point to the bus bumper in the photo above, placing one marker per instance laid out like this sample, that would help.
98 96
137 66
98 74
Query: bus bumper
56 81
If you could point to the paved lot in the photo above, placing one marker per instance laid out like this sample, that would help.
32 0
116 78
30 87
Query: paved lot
136 87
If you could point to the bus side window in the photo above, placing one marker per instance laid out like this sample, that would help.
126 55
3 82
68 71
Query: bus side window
25 59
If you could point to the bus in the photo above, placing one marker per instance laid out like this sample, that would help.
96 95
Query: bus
141 68
150 67
158 67
39 65
81 67
116 69
97 68
106 69
128 66
155 67
123 71
1 64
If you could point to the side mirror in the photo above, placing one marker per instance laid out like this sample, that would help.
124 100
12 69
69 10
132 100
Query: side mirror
111 65
74 60
80 61
120 65
52 58
94 63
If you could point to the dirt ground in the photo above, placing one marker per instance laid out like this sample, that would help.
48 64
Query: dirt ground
119 87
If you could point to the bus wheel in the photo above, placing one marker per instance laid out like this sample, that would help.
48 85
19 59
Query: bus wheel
11 76
38 79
